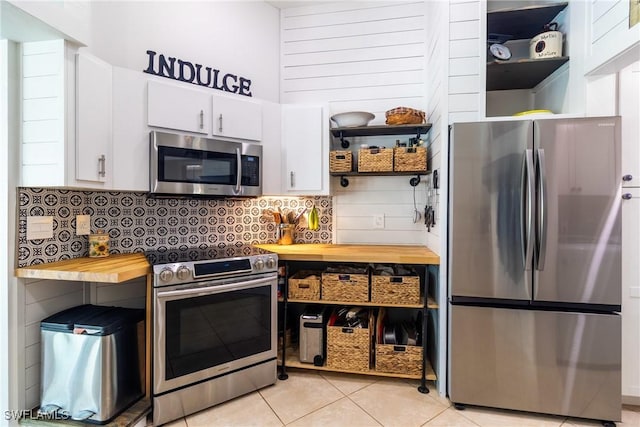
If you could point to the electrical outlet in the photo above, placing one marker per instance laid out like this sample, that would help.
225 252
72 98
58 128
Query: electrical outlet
83 225
39 227
378 221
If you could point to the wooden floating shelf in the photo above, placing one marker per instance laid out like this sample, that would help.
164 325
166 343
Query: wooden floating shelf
521 74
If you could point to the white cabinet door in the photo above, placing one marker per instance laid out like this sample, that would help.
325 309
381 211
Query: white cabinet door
631 293
237 118
630 111
305 145
179 108
130 131
93 120
271 150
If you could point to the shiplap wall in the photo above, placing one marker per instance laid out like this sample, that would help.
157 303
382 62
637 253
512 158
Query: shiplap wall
361 56
466 62
43 112
610 33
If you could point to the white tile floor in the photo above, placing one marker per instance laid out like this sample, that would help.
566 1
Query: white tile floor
310 398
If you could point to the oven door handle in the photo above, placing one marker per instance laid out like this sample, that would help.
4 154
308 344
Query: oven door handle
207 290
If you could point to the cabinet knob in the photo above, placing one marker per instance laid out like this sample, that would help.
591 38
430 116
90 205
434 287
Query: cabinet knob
626 196
627 177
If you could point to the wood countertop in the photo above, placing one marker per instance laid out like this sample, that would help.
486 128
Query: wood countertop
396 254
115 268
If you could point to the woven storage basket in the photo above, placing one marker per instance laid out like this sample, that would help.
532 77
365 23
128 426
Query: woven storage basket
375 160
348 348
410 159
305 285
404 116
395 289
345 287
399 359
340 161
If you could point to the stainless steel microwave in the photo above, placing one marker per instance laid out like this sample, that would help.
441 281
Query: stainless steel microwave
196 166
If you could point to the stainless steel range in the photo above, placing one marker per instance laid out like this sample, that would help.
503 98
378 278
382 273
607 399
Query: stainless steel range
215 320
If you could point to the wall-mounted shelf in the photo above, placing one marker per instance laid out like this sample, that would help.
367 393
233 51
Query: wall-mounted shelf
521 74
379 130
524 22
344 182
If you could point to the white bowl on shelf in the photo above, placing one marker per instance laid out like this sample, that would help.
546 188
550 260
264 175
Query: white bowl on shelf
352 119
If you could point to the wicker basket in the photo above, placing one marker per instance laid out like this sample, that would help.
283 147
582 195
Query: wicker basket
375 160
399 359
340 161
410 159
345 287
395 289
305 285
404 116
349 348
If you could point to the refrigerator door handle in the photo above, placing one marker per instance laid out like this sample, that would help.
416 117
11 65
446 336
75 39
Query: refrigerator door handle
541 213
526 203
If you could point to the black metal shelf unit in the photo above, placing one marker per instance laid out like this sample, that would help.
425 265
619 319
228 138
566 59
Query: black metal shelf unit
379 130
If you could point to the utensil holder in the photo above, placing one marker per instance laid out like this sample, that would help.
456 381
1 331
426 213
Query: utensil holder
286 234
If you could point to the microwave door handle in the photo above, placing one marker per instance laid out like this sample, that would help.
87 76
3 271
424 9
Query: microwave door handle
239 176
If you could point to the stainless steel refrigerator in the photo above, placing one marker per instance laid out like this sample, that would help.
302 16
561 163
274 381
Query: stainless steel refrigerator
534 266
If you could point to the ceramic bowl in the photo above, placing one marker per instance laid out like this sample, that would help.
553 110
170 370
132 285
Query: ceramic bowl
352 119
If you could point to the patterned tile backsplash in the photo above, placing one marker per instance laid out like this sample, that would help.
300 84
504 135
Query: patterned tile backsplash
136 222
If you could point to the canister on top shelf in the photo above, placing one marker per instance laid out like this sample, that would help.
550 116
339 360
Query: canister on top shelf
547 44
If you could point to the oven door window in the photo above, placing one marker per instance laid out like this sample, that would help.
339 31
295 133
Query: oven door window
196 166
211 330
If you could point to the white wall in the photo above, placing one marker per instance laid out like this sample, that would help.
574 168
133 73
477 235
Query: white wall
9 131
438 88
235 37
611 43
361 56
43 113
467 20
69 18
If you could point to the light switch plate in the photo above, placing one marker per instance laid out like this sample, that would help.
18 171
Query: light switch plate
83 225
39 227
378 221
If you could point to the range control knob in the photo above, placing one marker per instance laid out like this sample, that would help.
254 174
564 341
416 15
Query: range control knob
166 275
259 264
271 263
183 273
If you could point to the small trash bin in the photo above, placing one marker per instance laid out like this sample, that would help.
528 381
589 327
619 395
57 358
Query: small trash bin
92 362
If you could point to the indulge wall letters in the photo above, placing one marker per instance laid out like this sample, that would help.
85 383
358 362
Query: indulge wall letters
184 71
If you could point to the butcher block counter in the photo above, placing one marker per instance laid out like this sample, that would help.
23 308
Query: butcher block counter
115 268
392 254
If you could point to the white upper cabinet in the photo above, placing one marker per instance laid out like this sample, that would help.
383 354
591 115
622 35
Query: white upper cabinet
630 111
130 130
94 157
305 146
237 118
174 107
